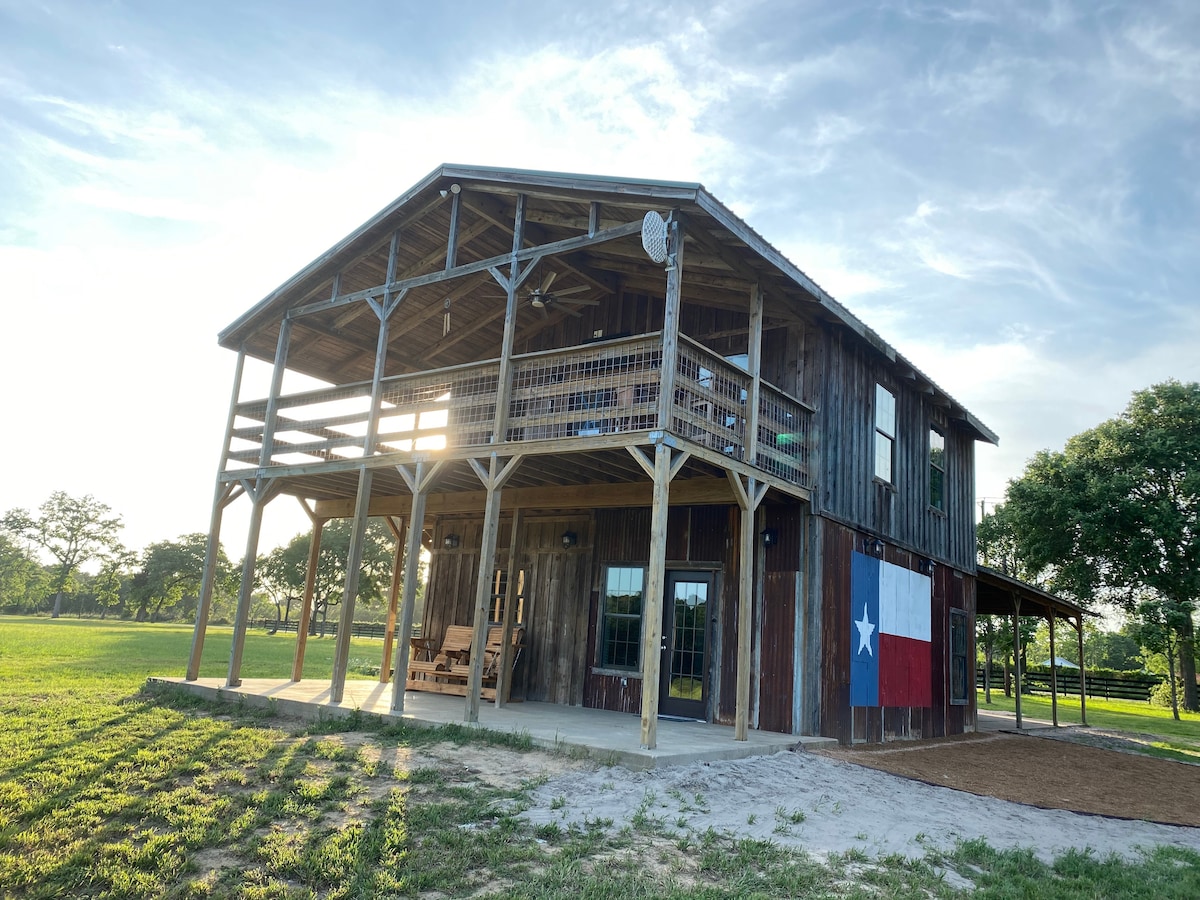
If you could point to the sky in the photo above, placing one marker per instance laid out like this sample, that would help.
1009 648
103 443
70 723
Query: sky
1007 191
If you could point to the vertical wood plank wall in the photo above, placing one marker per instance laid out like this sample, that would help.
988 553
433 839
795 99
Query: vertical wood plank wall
846 485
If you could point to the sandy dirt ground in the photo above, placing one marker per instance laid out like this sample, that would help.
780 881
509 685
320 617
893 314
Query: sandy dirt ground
945 791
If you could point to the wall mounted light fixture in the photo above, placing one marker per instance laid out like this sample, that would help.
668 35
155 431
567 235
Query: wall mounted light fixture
927 567
873 546
770 537
450 541
569 540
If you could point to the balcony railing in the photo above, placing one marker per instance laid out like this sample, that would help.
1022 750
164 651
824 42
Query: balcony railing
581 392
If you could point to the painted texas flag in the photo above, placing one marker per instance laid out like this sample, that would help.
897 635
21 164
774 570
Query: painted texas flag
890 652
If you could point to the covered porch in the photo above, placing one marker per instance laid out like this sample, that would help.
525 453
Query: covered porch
1000 594
609 737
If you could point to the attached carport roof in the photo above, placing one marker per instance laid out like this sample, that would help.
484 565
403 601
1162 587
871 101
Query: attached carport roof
995 595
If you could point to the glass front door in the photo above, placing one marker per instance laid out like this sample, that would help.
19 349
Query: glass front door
684 666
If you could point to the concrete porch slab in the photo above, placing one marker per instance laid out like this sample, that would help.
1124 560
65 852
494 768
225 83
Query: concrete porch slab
609 737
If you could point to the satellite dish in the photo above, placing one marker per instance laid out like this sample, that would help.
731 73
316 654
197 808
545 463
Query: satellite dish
654 236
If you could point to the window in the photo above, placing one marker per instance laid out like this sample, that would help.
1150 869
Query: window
500 594
937 469
621 619
960 672
885 432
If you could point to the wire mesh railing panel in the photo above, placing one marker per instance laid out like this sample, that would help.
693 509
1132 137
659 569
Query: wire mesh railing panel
438 410
600 389
710 400
783 436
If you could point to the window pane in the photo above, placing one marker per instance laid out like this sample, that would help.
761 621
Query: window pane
622 624
885 411
883 457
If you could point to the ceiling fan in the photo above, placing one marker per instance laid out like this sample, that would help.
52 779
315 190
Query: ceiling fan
541 298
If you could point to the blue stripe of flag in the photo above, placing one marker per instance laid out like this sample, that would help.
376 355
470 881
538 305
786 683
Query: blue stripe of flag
864 654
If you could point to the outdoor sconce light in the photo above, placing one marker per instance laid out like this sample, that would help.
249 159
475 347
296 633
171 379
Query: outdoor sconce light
569 540
874 546
770 537
450 541
927 567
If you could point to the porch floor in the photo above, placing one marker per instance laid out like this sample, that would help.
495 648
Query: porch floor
609 737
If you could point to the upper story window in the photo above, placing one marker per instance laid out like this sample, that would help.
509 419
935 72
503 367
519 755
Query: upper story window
885 433
937 469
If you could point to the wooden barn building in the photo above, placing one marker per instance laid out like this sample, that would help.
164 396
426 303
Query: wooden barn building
633 434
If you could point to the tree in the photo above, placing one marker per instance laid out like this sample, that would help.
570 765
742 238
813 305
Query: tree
1116 514
1158 632
281 572
170 575
74 531
22 579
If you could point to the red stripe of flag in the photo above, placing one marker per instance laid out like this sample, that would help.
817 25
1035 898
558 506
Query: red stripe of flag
905 671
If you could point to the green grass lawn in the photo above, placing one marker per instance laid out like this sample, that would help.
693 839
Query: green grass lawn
1177 740
107 790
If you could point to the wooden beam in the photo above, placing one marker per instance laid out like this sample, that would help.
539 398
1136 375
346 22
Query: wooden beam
223 494
419 480
754 366
1082 673
483 592
389 631
471 268
306 606
1053 672
505 663
652 602
750 495
341 648
1016 625
687 492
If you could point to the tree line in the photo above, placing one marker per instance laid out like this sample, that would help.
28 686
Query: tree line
66 558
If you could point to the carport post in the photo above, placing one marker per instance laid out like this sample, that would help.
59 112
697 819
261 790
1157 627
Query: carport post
1053 673
1082 676
1016 625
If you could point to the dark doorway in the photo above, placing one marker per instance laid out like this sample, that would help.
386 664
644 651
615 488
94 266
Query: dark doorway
684 680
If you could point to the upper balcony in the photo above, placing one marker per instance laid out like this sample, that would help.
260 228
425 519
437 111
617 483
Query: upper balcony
563 405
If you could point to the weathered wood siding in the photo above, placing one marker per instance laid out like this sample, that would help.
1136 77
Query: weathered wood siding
846 486
951 590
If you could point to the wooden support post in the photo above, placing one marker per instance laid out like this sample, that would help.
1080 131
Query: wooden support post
504 673
494 479
652 600
362 502
1053 674
222 495
754 365
306 605
1016 626
670 329
483 593
260 498
419 481
341 648
1082 674
212 551
749 495
511 286
389 632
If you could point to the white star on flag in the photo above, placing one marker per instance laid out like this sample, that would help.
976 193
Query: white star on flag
865 630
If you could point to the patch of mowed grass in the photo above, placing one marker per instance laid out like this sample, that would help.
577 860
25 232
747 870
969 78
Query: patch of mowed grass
1159 872
108 790
1181 739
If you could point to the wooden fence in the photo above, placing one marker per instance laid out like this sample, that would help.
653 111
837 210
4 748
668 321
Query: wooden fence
1129 687
358 629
